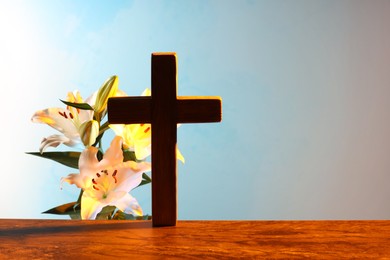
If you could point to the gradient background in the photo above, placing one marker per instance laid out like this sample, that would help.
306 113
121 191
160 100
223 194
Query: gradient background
305 88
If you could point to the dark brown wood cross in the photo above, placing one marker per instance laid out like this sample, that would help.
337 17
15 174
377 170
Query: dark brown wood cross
164 110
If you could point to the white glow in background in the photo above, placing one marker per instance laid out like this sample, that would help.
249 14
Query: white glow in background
305 88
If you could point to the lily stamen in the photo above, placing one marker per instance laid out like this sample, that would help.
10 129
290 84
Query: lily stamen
62 114
114 176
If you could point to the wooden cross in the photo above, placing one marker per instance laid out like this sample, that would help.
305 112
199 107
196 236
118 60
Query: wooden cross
164 110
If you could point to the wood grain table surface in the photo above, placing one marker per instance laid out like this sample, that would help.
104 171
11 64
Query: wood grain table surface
74 239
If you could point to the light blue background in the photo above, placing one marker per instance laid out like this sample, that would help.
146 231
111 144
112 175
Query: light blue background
305 88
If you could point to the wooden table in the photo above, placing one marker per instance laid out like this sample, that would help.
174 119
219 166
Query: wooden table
72 239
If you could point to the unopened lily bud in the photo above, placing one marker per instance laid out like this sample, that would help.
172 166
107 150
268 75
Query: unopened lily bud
107 90
89 131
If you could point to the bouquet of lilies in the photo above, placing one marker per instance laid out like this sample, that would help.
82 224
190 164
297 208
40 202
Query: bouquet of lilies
105 177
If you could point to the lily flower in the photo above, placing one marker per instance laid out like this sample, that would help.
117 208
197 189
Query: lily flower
77 125
138 137
68 121
107 182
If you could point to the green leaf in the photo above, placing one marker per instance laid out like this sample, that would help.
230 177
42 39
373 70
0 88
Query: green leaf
145 179
129 156
76 216
72 209
120 215
106 213
109 212
70 159
83 106
143 182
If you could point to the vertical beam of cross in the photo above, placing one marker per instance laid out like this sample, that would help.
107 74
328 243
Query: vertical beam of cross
164 110
164 163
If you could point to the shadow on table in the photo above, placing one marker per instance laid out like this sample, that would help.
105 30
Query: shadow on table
41 227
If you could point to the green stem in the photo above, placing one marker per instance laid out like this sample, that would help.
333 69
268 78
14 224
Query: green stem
104 127
100 144
80 195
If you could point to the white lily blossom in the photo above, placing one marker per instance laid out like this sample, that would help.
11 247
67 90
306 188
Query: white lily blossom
107 182
67 120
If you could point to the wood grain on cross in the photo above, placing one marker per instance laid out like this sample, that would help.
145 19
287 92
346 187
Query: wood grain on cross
164 110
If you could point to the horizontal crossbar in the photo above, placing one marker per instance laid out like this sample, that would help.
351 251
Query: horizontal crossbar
199 109
129 110
138 110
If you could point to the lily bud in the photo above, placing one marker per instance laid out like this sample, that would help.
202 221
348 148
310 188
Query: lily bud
107 90
89 131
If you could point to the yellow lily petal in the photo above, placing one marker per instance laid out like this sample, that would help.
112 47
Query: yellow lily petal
146 93
179 155
90 207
